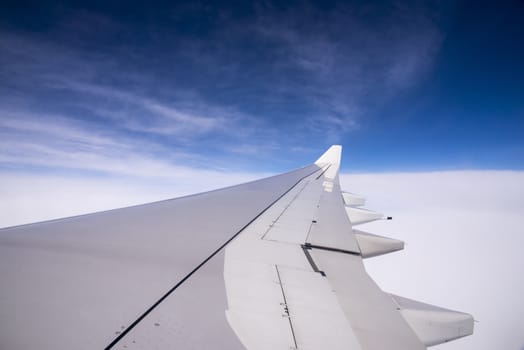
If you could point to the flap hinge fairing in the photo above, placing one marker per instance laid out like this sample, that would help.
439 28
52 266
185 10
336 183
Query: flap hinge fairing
374 245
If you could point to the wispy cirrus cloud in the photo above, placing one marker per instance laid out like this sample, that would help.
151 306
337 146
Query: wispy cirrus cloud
140 112
354 60
63 143
248 85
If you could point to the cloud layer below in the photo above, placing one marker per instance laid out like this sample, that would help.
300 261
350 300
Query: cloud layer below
463 232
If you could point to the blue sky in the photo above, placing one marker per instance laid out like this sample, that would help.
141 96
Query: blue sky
130 88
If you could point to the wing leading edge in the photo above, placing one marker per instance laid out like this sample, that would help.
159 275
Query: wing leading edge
81 282
273 263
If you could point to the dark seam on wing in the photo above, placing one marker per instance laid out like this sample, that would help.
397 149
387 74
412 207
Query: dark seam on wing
322 173
286 308
311 261
137 321
312 246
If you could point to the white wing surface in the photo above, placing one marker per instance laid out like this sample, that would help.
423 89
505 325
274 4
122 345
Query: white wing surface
270 264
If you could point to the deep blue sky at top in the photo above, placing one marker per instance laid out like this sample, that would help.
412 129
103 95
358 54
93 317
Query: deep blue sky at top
402 85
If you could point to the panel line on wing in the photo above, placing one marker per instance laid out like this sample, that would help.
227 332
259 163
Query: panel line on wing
322 173
284 210
314 246
286 307
169 292
293 224
311 261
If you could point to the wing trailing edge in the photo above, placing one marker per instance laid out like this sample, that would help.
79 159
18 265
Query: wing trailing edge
295 278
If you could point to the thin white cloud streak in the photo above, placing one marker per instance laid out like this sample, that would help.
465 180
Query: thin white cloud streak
57 143
52 127
60 143
188 120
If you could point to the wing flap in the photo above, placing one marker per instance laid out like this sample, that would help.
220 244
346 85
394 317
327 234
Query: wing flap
432 324
314 311
373 317
268 281
326 293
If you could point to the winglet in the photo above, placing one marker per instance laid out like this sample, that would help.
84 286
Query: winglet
331 156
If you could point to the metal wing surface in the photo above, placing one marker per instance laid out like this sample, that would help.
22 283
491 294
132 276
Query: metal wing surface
270 264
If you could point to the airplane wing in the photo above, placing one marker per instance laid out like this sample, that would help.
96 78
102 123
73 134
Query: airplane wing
270 264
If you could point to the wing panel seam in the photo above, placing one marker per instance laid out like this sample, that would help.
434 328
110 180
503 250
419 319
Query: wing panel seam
313 246
286 308
169 292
